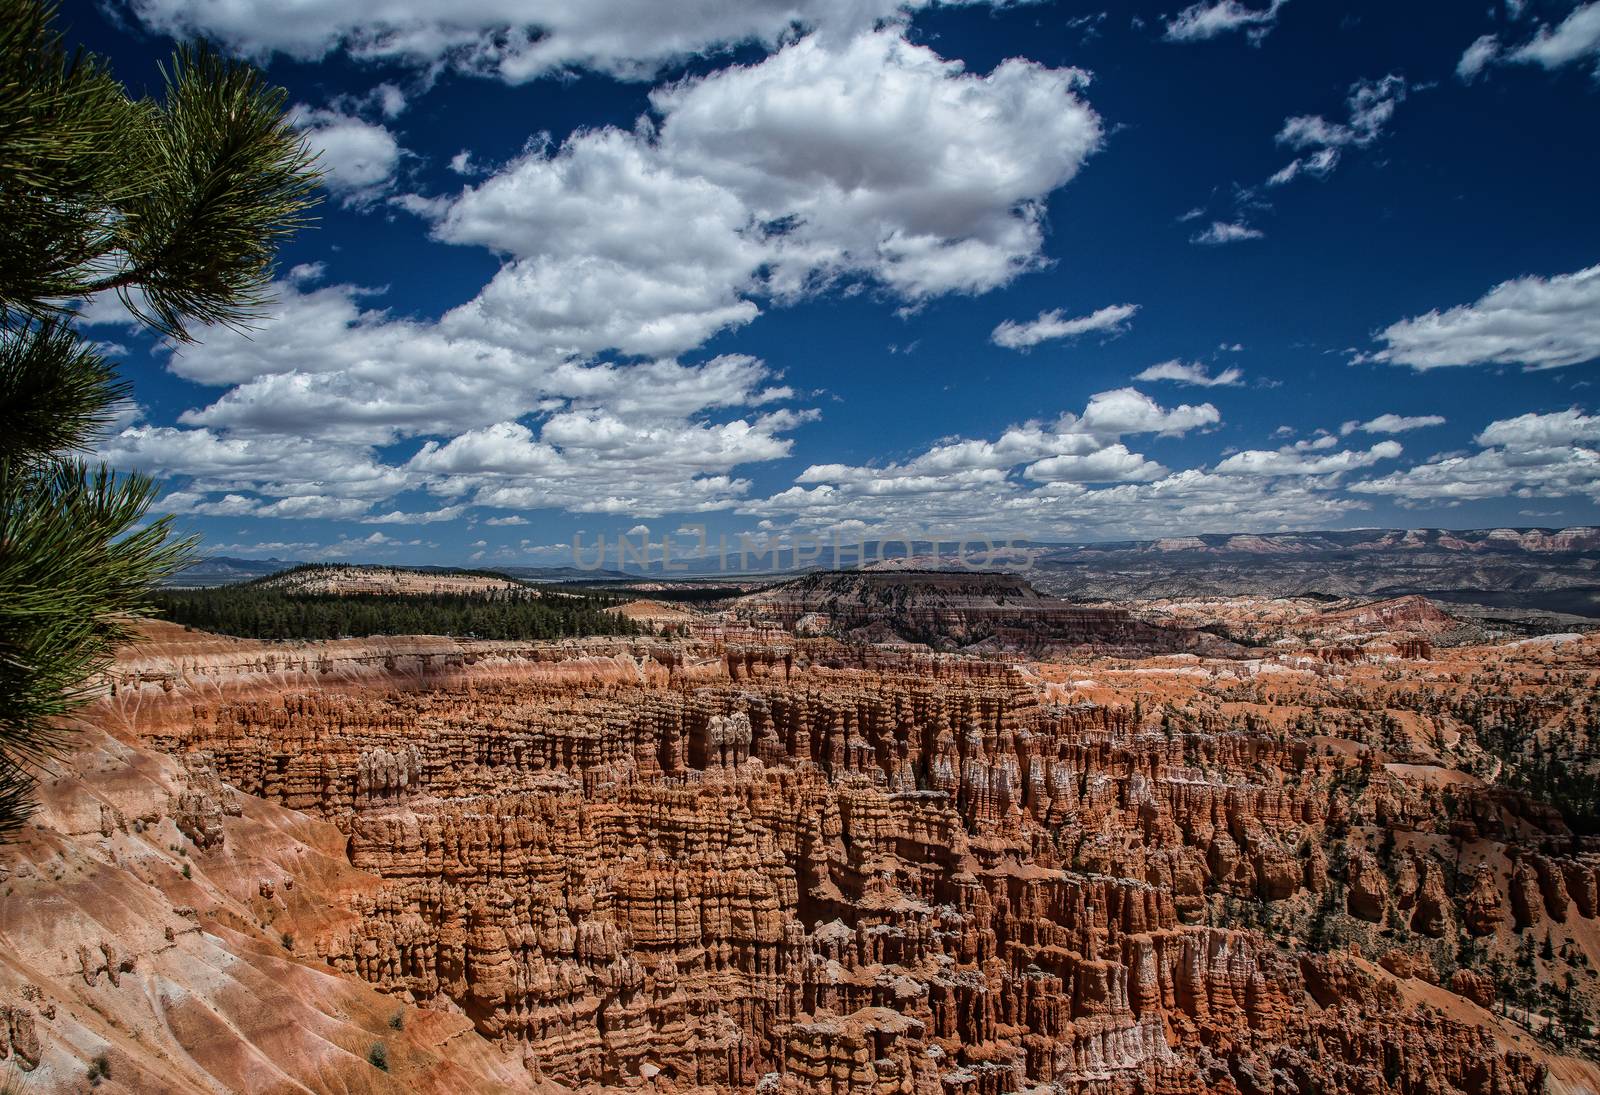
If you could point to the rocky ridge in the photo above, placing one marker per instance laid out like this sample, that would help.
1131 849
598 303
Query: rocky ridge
956 609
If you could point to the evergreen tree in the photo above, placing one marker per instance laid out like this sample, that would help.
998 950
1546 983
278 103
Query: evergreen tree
177 206
257 611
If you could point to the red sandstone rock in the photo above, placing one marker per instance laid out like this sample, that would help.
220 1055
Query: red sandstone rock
1527 902
1582 882
1474 986
728 863
1368 888
1433 914
1481 907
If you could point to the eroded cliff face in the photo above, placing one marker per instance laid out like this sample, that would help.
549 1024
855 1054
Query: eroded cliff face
808 867
156 935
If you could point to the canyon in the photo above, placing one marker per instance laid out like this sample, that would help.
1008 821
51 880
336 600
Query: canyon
790 848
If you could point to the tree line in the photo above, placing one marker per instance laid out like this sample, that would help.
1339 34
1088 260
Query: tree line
253 612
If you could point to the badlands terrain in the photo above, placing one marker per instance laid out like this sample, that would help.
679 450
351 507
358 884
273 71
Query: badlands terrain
897 833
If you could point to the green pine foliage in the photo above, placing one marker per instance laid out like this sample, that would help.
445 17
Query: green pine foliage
254 612
176 205
1557 765
59 392
70 556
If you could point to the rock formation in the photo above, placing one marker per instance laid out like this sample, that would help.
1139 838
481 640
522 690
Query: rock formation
951 609
742 861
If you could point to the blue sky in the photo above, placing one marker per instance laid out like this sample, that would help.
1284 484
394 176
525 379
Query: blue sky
867 266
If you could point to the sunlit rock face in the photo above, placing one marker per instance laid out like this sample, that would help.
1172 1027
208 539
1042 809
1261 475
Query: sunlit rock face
757 861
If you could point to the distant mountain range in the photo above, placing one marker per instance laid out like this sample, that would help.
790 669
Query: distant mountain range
1550 570
224 570
1513 541
1533 569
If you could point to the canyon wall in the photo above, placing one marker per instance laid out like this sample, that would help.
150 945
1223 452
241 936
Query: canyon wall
804 866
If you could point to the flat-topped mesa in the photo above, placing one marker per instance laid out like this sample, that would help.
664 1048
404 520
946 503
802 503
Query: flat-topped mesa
348 579
953 609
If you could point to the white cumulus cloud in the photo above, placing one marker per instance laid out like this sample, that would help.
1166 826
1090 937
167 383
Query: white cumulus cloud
1222 232
1202 21
1535 322
1392 423
358 159
1532 431
514 40
1576 38
1192 372
1053 324
1295 461
1112 464
1528 456
869 158
1477 57
1371 106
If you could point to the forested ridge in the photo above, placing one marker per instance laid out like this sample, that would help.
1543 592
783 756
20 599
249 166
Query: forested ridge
254 612
289 577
